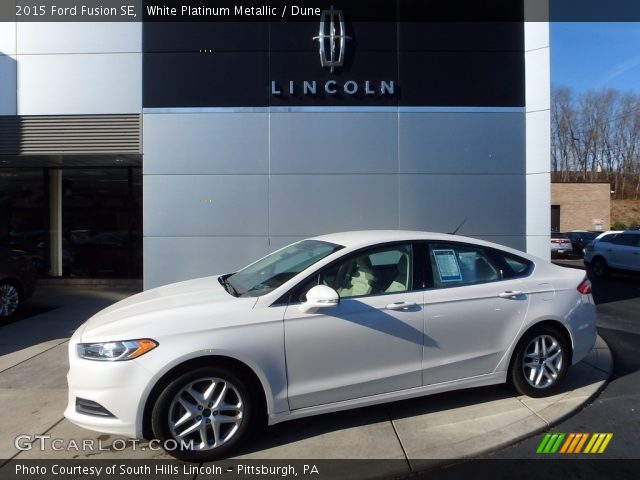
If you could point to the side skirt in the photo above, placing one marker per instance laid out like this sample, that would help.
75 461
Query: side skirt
479 381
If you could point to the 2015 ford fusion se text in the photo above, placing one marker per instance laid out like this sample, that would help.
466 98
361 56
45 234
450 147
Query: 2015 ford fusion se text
333 322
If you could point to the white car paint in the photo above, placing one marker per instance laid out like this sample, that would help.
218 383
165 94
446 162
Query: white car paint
363 351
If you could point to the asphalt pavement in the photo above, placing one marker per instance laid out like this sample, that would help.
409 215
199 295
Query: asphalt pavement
617 408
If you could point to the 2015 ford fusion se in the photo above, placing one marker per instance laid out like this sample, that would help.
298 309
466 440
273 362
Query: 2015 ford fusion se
325 324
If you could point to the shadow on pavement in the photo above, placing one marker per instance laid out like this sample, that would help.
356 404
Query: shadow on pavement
614 288
26 311
53 314
624 349
301 429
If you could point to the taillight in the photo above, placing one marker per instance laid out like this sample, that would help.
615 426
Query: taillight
585 287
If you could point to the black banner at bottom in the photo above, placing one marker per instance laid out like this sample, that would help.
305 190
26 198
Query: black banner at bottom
533 469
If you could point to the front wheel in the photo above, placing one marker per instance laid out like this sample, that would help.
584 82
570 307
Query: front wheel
204 414
10 299
541 362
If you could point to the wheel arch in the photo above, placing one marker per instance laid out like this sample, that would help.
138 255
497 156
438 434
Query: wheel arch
204 361
558 325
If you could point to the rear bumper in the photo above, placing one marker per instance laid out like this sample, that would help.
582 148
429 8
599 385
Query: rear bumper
582 323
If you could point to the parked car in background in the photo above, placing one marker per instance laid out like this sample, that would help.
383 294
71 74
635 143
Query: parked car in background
17 281
334 322
580 239
614 251
560 245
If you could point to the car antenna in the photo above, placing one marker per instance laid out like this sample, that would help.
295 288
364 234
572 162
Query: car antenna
459 226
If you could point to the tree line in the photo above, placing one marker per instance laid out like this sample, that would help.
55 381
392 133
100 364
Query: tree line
595 137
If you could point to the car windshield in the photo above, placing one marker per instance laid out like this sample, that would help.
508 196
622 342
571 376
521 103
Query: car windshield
275 269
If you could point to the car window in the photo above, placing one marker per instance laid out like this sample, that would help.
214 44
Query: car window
627 239
275 269
607 238
454 265
370 272
511 266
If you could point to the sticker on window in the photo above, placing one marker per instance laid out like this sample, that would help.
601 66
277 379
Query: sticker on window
447 264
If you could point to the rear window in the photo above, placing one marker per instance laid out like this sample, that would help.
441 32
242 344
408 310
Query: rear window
559 235
511 266
628 239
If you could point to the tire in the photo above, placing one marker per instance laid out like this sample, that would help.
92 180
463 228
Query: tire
531 377
599 267
10 299
212 438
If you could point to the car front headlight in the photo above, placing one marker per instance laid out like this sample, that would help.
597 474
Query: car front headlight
115 351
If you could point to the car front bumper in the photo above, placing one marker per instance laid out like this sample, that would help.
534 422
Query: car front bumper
118 387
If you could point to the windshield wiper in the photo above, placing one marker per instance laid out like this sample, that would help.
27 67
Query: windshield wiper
228 287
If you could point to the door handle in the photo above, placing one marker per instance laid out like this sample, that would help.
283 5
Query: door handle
400 305
510 294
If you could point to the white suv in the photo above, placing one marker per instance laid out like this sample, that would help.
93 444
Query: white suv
614 251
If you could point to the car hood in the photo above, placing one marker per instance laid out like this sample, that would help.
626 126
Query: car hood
152 310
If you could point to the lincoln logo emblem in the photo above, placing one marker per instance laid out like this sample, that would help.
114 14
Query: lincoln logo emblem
332 42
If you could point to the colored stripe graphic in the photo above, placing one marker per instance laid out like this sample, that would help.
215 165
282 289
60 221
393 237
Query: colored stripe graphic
550 443
543 443
598 442
581 443
567 443
573 443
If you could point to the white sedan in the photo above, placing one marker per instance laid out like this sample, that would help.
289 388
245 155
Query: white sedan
325 324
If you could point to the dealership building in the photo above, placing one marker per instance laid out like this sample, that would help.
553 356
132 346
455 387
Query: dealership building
170 150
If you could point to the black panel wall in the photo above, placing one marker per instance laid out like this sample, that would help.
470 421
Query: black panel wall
226 64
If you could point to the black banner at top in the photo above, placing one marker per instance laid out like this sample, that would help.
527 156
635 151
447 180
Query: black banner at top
311 10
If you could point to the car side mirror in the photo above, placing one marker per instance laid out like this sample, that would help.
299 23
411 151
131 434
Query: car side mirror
320 296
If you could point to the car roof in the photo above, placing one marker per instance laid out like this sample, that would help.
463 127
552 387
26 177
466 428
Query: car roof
363 238
607 233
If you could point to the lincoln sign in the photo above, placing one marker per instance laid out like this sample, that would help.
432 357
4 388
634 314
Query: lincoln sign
332 87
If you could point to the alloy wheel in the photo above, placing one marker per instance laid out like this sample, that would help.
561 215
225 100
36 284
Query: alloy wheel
9 299
542 361
207 412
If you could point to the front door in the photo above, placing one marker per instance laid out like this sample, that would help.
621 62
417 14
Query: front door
371 343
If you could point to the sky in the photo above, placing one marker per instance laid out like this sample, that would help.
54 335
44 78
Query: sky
595 56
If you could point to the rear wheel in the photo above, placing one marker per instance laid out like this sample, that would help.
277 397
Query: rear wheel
541 362
599 267
206 413
10 299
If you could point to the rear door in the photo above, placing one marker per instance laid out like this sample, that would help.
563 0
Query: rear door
474 308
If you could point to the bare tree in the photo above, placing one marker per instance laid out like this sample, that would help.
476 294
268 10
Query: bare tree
596 137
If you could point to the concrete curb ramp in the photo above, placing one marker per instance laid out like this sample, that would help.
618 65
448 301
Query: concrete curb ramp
418 434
